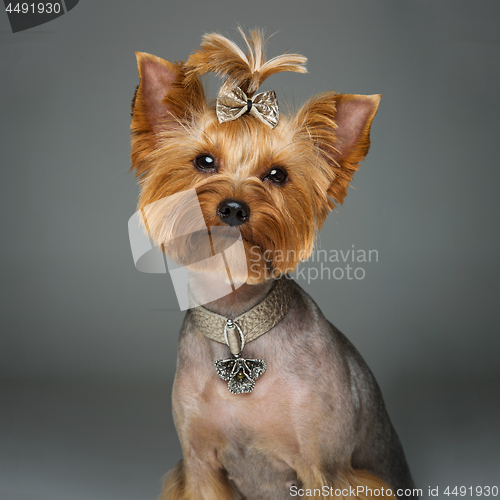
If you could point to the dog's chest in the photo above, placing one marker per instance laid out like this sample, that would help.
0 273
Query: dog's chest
261 438
276 415
263 416
251 436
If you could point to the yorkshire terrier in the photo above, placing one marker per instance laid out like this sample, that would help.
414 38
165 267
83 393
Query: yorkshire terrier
270 400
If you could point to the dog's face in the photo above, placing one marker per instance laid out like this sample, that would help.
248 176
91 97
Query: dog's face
275 186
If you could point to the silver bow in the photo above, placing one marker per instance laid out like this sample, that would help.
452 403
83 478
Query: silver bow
231 105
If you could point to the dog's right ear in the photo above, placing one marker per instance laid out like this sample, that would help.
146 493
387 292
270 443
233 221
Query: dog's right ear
161 100
161 104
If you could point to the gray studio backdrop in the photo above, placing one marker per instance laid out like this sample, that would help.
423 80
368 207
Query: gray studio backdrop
88 343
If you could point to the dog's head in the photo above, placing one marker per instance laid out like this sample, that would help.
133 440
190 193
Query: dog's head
274 183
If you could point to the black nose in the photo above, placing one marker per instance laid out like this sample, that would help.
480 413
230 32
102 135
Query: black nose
233 212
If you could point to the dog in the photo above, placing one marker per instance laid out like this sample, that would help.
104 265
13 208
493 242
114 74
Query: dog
270 400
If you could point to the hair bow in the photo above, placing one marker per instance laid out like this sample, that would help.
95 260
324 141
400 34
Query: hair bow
264 106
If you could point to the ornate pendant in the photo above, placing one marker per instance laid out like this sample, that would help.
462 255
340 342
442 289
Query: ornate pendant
240 373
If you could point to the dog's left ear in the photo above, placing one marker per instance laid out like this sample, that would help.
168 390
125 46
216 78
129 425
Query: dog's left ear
339 125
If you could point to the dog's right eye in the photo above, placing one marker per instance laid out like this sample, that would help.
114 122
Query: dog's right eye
205 163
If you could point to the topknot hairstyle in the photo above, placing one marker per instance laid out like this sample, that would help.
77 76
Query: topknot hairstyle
221 56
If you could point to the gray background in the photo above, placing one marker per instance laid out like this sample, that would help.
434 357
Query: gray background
88 344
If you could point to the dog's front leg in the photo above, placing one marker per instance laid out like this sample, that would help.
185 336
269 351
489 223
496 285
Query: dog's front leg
194 480
344 484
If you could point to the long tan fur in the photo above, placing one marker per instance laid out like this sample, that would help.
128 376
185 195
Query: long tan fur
248 71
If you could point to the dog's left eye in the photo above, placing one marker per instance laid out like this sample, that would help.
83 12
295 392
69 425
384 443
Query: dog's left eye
205 163
277 175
